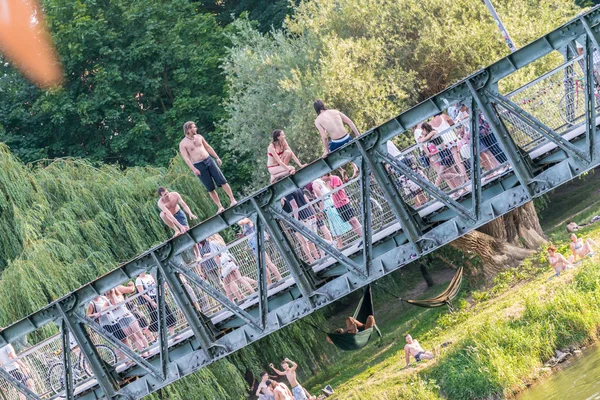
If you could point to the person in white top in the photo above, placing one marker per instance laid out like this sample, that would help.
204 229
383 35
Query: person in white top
146 285
15 367
443 124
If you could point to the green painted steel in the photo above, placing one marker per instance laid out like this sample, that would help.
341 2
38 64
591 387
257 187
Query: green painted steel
559 154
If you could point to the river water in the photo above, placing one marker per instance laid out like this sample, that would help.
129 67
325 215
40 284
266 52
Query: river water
578 381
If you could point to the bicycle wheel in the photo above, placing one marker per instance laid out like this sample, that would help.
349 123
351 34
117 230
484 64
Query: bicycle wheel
106 354
56 377
571 106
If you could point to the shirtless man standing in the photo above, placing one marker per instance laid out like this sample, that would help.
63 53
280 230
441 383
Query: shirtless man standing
264 391
171 213
280 391
413 348
290 373
198 155
332 122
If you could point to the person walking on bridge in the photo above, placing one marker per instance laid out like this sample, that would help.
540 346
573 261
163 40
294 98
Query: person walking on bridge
171 204
289 370
198 155
332 122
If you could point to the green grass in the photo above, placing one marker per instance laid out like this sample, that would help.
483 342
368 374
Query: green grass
500 339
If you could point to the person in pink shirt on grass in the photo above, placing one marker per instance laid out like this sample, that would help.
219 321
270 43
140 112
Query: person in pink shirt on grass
341 202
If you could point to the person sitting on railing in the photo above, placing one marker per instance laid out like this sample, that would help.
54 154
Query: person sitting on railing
16 368
279 156
126 319
249 230
146 285
198 155
332 122
342 203
439 156
581 248
557 261
230 271
171 213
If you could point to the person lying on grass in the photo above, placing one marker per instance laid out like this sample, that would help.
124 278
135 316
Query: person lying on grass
557 261
413 348
353 326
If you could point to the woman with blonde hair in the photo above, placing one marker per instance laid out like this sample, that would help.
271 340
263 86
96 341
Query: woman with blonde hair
127 320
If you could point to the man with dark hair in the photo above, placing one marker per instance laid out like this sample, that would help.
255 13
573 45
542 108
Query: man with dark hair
280 391
413 348
332 122
198 155
171 213
264 391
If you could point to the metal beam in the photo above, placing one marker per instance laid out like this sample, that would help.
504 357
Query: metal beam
475 164
318 241
595 37
263 295
590 97
426 185
303 277
538 126
517 161
163 338
367 231
182 298
18 385
217 295
399 207
121 346
68 368
102 374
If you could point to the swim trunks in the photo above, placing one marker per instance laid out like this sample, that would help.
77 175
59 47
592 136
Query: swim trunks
418 355
180 217
337 143
210 174
298 393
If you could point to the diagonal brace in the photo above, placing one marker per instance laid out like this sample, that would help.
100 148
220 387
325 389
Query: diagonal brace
318 240
533 122
400 209
217 295
18 385
121 346
426 185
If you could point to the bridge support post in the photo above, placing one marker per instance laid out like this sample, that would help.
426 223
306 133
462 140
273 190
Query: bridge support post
590 90
263 297
475 165
367 231
517 161
304 277
197 325
102 374
400 209
66 346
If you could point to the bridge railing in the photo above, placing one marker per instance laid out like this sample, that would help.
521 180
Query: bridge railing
404 203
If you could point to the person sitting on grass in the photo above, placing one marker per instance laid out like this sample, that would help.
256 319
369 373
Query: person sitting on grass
581 248
413 348
557 261
353 326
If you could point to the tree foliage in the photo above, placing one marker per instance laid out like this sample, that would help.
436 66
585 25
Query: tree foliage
369 58
135 71
267 14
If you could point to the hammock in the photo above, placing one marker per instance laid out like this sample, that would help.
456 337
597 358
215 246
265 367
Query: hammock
444 298
350 341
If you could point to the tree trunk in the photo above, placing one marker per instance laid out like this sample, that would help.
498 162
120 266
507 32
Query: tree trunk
426 274
506 241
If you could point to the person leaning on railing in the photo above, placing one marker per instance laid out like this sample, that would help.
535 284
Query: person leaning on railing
16 368
126 319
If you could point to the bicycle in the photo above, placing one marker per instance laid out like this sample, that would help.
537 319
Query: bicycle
571 106
80 368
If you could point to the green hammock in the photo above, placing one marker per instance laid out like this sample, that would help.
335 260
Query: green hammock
350 341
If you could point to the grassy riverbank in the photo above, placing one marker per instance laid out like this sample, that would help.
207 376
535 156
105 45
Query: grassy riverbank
500 337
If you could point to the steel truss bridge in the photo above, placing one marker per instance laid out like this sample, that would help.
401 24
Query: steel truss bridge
523 144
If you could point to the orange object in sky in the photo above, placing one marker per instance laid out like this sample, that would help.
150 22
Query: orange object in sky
26 43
